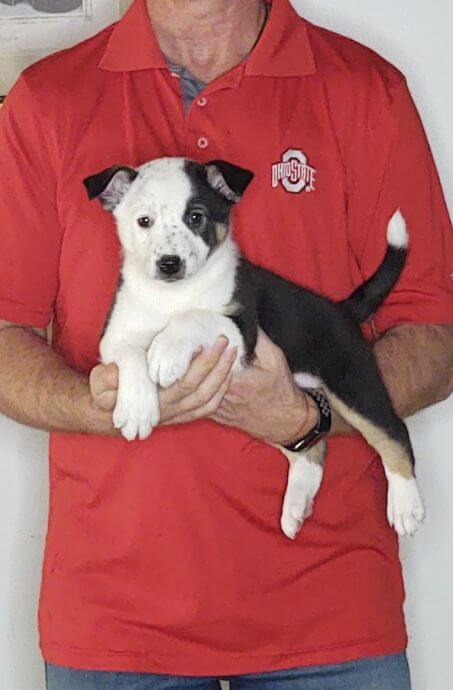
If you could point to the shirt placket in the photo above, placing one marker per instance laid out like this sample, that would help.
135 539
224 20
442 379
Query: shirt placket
202 138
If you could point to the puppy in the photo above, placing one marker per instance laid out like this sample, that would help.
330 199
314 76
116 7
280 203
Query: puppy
184 283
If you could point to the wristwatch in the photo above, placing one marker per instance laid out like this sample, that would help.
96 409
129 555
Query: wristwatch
321 429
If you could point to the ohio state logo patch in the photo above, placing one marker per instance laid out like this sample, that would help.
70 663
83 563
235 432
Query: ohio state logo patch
294 173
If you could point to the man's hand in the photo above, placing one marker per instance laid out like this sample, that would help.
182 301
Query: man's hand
264 400
197 395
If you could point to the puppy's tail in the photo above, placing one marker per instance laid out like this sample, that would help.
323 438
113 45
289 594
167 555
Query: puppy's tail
366 299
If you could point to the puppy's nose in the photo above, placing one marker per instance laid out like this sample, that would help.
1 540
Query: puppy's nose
169 264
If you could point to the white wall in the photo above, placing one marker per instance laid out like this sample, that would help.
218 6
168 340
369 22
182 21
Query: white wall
23 515
416 37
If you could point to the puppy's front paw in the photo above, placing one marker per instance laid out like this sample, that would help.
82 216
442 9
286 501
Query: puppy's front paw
137 409
169 359
405 509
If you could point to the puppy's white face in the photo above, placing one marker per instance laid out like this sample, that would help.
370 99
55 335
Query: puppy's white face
157 224
171 213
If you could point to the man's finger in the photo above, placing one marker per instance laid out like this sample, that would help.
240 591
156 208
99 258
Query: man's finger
106 401
265 350
210 386
205 362
201 367
203 394
207 410
103 378
111 377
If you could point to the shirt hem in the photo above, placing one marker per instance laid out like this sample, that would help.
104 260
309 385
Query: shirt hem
19 314
433 314
219 665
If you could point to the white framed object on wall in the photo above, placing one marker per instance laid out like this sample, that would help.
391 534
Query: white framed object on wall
31 29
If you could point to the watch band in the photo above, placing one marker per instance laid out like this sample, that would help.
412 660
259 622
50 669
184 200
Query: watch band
321 429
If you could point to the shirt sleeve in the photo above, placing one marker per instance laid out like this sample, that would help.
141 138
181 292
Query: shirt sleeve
393 168
30 232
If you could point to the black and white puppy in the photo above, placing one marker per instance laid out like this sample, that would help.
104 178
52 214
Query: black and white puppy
184 283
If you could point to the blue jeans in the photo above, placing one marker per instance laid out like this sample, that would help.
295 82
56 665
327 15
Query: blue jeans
377 673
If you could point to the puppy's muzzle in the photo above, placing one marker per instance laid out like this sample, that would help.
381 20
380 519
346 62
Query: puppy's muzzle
170 267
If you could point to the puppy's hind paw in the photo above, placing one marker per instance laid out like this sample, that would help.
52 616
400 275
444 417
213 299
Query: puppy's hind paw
293 516
405 509
304 481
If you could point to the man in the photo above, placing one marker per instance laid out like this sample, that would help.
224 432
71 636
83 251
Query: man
165 566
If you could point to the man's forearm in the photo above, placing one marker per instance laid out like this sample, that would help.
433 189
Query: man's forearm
416 363
38 388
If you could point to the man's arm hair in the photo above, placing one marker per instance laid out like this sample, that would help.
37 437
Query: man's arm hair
416 363
39 388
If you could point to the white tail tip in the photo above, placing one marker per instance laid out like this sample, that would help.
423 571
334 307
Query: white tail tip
397 234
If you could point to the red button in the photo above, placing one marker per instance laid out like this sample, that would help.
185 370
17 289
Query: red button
202 143
202 101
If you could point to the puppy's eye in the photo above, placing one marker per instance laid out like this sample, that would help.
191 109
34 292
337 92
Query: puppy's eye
196 218
144 222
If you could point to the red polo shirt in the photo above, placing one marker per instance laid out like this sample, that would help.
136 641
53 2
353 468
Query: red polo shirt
166 555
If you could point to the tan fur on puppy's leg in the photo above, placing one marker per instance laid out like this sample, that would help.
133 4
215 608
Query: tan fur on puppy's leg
405 509
393 454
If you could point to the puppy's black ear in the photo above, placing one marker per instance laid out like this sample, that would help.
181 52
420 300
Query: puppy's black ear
229 180
110 185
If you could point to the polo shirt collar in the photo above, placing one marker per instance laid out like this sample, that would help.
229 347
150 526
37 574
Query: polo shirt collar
132 44
282 50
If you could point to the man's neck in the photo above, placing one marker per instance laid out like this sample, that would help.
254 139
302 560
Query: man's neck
208 37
